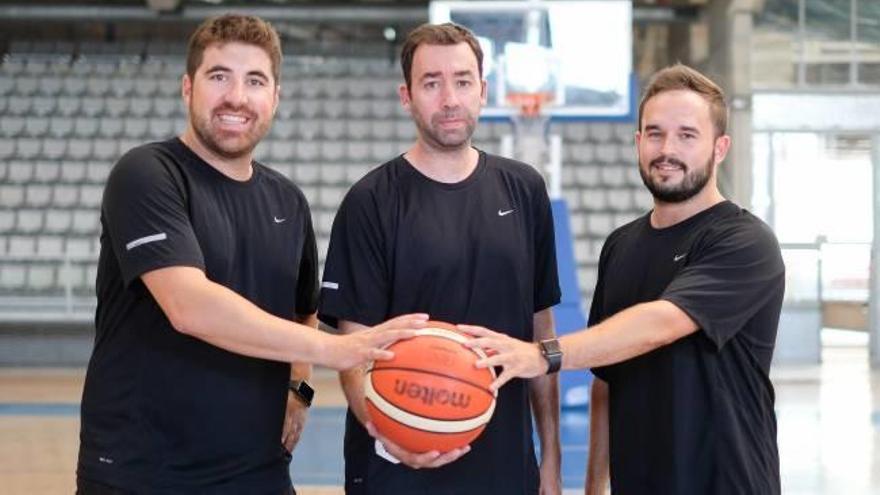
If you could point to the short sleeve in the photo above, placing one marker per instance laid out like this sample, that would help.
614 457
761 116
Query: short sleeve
737 272
355 283
146 216
307 279
547 291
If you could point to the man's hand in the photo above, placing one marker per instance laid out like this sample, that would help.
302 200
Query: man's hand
518 358
294 421
432 459
342 352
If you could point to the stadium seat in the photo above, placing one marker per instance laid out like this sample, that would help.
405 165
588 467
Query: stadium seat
54 148
116 107
29 221
38 195
85 221
58 221
46 172
614 176
41 276
90 195
50 245
43 106
12 276
160 128
60 127
97 172
7 221
11 126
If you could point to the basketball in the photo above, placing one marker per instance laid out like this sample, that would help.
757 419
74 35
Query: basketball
430 396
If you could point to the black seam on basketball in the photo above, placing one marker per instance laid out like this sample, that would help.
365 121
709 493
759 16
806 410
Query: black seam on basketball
434 432
421 414
466 382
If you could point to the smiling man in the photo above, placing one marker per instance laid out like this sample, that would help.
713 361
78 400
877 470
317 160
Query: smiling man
207 289
465 236
683 320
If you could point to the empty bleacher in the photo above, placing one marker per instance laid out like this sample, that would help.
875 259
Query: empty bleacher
66 119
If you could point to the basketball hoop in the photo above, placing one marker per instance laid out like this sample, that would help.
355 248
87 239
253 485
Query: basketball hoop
529 104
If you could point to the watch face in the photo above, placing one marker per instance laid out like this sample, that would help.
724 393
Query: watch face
551 346
306 391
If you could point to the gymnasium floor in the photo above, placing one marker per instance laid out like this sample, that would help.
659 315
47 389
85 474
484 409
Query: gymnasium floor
829 430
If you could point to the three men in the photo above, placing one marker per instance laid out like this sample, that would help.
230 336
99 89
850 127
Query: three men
464 236
683 320
207 289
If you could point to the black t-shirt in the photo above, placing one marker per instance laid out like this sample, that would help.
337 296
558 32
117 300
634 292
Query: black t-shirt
479 251
696 416
163 412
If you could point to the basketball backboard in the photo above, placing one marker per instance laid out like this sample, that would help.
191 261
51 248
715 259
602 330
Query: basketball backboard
576 56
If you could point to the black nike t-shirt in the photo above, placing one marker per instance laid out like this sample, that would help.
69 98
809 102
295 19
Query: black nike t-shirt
163 412
696 416
479 251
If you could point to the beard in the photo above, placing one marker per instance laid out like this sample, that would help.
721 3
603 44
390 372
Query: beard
237 147
694 180
432 131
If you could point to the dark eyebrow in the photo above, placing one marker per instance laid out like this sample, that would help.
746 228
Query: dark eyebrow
258 73
430 75
218 68
462 73
223 68
688 128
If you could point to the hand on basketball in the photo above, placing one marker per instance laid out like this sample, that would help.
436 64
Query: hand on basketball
432 459
294 421
342 352
517 358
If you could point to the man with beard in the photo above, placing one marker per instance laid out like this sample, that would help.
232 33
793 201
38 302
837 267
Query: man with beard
207 289
683 321
464 236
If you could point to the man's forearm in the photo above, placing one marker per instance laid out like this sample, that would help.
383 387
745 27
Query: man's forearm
211 312
303 371
629 333
597 460
544 395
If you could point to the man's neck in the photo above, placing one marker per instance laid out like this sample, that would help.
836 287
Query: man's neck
447 166
239 169
669 214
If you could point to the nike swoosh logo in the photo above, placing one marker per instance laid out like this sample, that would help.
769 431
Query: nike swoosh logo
279 220
678 257
505 212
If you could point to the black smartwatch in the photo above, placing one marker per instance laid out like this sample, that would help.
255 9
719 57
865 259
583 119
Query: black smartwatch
302 390
552 353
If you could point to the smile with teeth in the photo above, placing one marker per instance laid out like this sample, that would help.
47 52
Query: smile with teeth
226 118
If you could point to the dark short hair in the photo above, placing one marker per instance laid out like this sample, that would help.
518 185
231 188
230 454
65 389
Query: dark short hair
447 33
682 77
230 28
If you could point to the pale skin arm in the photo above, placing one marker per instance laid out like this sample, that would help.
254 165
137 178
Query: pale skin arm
297 411
352 382
544 397
598 460
632 332
208 311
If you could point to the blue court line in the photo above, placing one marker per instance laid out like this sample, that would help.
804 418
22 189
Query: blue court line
39 409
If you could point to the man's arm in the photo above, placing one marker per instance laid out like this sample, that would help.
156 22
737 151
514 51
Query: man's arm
352 381
632 332
544 398
208 311
297 411
598 460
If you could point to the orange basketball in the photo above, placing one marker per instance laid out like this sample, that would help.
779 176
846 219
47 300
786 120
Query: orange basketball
430 396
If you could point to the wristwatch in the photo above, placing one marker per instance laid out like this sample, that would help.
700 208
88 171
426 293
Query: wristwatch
302 390
552 353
